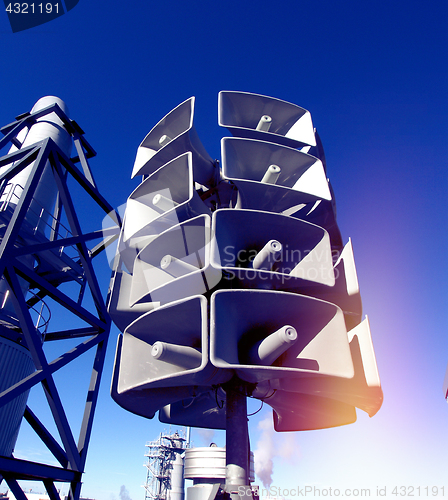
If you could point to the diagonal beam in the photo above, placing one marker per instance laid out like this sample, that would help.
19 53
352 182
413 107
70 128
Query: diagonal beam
51 489
18 159
12 130
90 152
12 231
34 344
85 184
82 248
60 418
55 365
16 489
32 337
46 437
82 158
62 299
92 398
66 242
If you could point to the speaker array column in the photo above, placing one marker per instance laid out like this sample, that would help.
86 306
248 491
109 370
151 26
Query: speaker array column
232 281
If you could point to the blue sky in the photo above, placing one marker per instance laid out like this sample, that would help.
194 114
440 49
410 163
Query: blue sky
374 77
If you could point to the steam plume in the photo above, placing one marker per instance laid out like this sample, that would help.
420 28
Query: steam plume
124 493
206 435
269 446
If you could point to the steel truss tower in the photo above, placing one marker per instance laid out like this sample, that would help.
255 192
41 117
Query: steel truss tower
164 458
48 256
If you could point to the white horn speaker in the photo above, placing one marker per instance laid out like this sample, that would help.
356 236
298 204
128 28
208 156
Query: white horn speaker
317 150
171 137
345 293
179 329
267 250
304 412
363 390
300 179
322 213
207 410
266 118
118 306
240 319
175 265
161 201
145 402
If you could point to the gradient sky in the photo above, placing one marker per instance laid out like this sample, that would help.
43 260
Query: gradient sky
374 77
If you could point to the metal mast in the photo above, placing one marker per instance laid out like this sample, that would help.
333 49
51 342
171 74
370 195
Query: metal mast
231 280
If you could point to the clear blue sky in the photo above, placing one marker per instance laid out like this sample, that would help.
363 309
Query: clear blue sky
374 77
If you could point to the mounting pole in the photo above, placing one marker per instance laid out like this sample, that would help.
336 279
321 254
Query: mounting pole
237 440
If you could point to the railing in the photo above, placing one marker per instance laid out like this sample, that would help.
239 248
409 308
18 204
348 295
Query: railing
40 313
46 222
8 194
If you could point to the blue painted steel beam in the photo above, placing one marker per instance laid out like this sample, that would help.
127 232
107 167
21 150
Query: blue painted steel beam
16 157
39 375
16 489
51 489
34 344
85 184
46 437
82 248
57 295
92 399
30 471
12 231
67 242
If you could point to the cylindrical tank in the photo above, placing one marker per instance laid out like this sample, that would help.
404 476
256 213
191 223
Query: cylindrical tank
44 198
177 479
207 466
49 126
15 364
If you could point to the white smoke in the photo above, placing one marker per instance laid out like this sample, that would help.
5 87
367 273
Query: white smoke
271 445
124 493
206 435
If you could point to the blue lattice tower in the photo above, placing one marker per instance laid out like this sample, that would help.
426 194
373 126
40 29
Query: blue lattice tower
46 265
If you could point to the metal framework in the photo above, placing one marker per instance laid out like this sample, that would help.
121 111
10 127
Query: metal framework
161 455
57 265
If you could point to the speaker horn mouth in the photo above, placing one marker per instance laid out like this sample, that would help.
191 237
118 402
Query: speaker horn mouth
261 117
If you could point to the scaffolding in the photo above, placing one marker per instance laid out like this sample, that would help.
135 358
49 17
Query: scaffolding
164 477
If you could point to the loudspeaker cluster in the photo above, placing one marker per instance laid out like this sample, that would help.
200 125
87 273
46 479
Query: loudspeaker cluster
237 268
